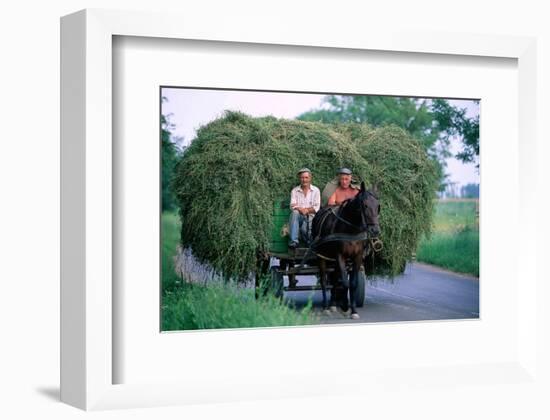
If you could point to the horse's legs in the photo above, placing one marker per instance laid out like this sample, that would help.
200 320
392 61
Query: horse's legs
345 281
332 281
323 281
352 289
353 284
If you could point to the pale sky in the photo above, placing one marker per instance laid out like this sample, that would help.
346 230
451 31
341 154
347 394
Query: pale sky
192 108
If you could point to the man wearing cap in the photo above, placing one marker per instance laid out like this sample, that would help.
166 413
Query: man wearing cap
305 200
344 190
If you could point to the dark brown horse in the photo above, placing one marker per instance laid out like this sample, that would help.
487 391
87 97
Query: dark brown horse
343 234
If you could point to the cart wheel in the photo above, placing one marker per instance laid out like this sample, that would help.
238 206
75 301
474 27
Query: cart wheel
360 295
276 286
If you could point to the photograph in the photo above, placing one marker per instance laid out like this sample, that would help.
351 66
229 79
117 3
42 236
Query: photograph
275 210
282 209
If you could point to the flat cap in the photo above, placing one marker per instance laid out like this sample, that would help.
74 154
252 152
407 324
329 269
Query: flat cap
303 170
344 171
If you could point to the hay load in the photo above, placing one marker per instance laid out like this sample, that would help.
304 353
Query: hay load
238 166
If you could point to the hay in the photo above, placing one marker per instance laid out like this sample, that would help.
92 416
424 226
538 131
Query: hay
237 166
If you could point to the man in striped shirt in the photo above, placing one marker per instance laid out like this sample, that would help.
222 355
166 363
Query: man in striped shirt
305 200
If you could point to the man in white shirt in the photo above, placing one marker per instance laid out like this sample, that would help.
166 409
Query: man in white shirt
305 200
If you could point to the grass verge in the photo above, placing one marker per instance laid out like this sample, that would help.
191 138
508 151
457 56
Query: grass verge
191 306
194 307
454 243
454 251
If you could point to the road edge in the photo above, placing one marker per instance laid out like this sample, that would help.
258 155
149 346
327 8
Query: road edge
444 270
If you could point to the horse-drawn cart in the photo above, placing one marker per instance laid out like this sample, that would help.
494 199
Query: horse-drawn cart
295 264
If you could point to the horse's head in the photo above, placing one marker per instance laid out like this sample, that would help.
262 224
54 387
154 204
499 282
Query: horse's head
370 208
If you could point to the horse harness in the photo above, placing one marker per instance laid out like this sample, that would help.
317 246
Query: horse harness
375 244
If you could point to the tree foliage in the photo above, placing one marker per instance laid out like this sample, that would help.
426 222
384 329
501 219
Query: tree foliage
170 154
470 191
432 122
452 121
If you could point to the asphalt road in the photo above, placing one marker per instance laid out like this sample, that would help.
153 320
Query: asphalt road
423 292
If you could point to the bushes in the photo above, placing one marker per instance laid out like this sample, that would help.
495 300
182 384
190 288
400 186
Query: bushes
237 166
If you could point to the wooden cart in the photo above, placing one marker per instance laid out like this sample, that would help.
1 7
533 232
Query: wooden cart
291 263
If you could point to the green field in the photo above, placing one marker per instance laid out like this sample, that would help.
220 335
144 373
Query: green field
191 306
454 244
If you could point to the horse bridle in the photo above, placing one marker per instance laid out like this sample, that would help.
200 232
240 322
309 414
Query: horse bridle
375 243
364 225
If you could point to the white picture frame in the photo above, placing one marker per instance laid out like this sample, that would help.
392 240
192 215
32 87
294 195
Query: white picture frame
86 203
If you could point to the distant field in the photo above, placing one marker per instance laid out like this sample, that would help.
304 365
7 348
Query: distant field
455 240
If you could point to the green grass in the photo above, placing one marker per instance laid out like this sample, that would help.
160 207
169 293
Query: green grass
195 307
454 244
191 306
170 236
454 251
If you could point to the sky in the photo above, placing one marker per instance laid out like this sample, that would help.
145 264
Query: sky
189 109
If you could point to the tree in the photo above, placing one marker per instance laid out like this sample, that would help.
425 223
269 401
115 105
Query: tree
454 122
432 122
170 155
470 191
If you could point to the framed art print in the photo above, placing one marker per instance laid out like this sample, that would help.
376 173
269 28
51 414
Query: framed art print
162 126
270 252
